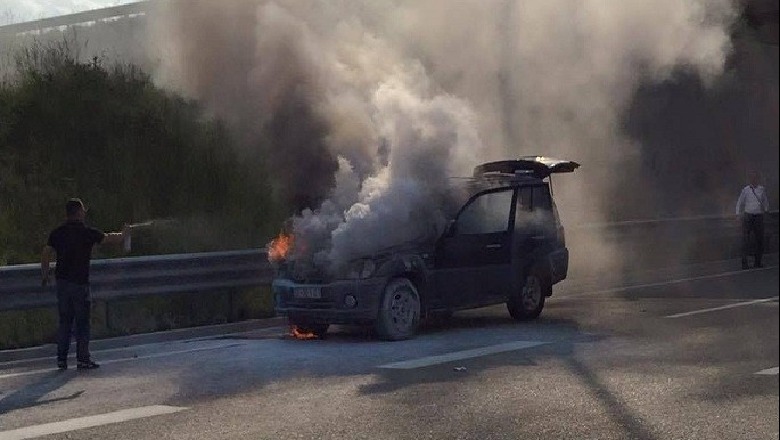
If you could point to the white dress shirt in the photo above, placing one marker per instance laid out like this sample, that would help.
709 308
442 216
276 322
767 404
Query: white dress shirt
752 200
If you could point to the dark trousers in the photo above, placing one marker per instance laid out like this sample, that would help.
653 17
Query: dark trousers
74 305
753 223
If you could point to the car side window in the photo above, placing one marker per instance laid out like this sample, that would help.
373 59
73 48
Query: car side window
523 214
542 199
543 215
487 214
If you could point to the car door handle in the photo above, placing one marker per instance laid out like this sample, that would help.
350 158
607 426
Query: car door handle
494 246
538 237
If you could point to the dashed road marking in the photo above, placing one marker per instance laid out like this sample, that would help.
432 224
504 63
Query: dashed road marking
461 355
768 372
727 306
88 422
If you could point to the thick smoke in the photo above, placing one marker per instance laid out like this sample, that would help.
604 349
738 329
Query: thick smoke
555 77
420 140
365 109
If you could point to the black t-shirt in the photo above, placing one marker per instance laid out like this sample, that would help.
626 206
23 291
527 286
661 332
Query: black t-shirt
73 242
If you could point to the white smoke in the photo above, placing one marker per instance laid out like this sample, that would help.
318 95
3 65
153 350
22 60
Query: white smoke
554 77
427 138
400 96
430 140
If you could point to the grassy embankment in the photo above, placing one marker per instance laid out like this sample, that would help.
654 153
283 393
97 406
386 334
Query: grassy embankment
133 152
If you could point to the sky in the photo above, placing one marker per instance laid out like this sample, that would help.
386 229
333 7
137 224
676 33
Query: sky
16 11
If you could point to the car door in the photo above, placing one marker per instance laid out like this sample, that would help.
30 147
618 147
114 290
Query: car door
534 226
473 259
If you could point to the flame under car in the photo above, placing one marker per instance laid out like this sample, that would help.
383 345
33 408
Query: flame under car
505 245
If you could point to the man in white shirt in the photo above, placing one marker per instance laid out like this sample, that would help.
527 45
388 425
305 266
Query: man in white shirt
751 205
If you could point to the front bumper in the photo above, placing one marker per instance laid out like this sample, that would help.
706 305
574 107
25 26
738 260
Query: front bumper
331 307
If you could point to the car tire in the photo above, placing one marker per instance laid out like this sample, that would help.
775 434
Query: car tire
527 304
399 311
320 331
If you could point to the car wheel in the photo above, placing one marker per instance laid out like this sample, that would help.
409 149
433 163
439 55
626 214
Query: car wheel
399 311
308 331
529 302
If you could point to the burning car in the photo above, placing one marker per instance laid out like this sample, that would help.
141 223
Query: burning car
506 244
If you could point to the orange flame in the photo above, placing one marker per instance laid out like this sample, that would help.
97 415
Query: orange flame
280 247
300 334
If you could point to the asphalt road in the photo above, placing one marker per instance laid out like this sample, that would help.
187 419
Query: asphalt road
686 353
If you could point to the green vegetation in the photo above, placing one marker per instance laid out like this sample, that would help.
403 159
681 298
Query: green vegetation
130 150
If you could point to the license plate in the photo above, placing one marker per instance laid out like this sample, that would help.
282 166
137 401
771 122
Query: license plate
307 293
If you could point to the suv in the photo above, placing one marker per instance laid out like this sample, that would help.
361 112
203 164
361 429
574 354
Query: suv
505 245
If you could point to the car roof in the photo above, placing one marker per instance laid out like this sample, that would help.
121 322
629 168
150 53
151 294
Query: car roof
477 186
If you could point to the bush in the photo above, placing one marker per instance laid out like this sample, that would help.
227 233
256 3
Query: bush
131 150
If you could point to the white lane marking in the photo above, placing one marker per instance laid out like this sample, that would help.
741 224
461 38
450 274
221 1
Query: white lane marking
114 361
88 422
768 372
460 355
728 306
669 282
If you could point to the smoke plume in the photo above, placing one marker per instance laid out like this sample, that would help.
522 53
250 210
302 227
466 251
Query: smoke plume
366 109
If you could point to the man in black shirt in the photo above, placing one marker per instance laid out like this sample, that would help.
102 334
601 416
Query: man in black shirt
72 243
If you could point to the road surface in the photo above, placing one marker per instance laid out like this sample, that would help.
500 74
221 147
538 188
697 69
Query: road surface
685 353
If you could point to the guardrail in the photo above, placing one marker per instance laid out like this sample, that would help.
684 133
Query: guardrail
657 243
20 286
91 16
771 215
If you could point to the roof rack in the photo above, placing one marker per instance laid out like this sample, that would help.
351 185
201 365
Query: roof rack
539 166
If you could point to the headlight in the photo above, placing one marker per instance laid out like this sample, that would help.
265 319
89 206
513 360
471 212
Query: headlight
361 269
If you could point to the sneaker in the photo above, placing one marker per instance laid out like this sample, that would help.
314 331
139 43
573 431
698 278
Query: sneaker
62 365
88 365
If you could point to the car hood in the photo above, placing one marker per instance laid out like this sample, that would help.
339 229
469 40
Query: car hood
417 247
